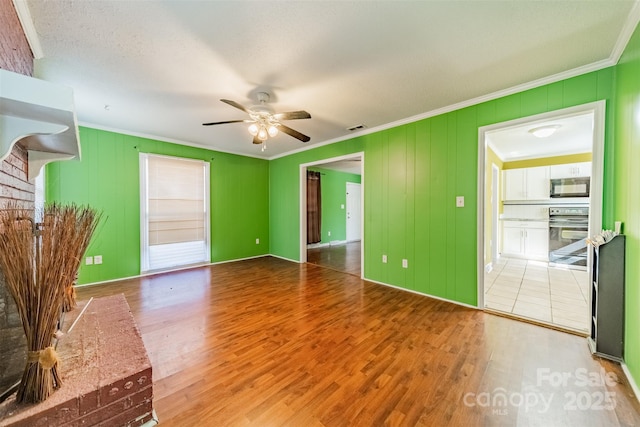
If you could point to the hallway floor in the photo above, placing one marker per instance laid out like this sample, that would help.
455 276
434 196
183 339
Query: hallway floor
344 257
535 291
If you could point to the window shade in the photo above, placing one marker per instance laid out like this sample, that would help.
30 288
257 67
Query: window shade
176 212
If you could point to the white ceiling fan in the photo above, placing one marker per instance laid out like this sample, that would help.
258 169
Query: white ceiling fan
264 122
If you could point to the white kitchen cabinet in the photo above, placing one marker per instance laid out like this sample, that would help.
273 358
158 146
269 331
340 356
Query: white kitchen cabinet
526 239
512 240
536 243
526 183
514 184
570 170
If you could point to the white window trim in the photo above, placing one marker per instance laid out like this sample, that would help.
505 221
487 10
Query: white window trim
144 209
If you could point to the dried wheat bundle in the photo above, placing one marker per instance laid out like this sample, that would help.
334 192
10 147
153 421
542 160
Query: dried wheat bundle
38 262
80 223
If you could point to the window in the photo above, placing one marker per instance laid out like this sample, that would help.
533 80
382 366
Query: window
174 210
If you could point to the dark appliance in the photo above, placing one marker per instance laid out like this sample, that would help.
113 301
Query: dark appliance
570 187
568 231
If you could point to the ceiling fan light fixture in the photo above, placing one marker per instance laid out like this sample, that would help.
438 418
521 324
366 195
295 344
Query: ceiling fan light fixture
264 123
263 134
544 131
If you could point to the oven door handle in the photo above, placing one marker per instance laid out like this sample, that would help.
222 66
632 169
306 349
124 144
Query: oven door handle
573 234
568 225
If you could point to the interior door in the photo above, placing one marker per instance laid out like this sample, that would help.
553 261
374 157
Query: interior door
353 212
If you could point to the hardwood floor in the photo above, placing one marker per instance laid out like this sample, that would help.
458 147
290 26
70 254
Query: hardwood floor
270 342
345 258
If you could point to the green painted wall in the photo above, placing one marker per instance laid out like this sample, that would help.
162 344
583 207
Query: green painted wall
107 178
626 202
412 174
333 186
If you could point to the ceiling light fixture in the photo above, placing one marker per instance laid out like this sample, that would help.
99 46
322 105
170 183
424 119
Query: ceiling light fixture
544 131
264 124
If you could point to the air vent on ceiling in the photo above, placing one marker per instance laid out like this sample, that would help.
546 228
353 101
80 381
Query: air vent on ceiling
356 127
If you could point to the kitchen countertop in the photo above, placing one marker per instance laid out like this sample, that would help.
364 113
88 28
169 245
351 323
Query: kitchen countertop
525 219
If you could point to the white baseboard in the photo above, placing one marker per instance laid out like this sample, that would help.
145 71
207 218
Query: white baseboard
188 267
317 245
632 381
297 261
422 294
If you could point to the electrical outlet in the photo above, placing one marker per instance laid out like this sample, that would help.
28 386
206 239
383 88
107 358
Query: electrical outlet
88 260
460 201
257 241
329 233
405 263
384 259
97 259
341 206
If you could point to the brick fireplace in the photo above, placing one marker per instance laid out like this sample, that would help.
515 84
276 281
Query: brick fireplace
15 55
106 373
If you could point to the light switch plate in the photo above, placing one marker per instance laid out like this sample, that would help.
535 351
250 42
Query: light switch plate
405 263
384 259
460 201
88 260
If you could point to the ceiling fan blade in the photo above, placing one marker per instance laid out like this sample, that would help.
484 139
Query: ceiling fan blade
292 115
256 140
293 133
222 123
235 104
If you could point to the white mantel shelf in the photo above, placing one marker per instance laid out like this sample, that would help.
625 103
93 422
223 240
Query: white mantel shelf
39 114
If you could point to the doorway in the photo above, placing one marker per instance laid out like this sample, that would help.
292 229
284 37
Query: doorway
341 243
514 274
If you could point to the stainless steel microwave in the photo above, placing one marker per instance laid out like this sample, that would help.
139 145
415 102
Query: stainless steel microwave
570 187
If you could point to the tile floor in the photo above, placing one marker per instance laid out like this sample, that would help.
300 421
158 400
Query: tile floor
533 290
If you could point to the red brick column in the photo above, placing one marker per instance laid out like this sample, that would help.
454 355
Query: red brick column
16 56
15 53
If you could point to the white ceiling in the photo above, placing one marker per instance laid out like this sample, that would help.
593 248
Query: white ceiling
161 67
574 135
353 166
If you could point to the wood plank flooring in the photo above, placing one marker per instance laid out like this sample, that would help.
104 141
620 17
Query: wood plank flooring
345 257
267 342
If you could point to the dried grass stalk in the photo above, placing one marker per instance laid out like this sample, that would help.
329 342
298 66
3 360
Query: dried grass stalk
39 261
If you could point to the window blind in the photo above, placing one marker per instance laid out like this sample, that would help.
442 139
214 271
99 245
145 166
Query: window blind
176 214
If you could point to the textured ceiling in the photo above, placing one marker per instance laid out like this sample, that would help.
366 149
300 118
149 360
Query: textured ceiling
161 67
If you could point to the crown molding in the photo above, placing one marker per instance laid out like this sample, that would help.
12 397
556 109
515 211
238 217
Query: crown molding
163 139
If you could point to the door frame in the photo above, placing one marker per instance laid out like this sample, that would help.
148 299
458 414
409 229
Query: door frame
303 203
495 211
598 108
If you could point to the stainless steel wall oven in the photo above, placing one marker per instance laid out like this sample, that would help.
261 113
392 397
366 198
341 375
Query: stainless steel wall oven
568 231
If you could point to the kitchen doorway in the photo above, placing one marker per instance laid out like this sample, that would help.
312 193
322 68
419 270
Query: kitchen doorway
342 188
515 277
